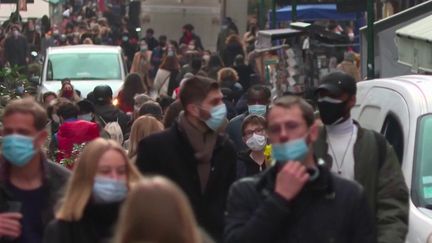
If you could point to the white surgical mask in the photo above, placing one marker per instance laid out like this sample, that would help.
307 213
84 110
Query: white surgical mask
256 142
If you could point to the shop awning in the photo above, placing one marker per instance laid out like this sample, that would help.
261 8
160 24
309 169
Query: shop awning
414 43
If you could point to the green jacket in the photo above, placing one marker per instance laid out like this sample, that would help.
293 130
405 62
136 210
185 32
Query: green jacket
383 181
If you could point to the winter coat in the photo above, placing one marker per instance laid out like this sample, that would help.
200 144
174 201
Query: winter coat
170 154
195 38
110 113
328 209
377 169
55 178
246 166
230 52
74 132
96 226
16 50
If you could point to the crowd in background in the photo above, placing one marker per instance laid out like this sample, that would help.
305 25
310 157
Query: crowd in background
201 121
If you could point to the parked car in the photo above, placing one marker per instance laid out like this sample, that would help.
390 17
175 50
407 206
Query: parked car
401 109
85 65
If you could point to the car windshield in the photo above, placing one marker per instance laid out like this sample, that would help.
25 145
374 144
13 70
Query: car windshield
84 66
422 177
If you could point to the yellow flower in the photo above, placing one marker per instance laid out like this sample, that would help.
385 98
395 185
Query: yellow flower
268 155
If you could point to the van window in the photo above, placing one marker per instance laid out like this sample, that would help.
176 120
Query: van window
84 66
421 189
392 130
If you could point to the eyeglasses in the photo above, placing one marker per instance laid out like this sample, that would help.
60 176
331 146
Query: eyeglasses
250 133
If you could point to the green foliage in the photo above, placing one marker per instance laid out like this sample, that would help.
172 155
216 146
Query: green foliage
76 151
13 84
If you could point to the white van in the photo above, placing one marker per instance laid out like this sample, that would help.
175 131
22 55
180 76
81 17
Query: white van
401 109
85 65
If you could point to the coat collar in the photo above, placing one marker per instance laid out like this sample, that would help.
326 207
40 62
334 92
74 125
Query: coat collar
323 185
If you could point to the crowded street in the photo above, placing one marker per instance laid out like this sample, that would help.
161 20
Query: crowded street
215 121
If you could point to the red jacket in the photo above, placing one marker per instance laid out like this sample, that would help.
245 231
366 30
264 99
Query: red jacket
74 132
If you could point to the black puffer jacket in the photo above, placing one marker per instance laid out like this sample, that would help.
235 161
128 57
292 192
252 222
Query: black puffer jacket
329 209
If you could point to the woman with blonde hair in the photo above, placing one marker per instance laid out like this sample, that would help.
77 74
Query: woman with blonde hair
156 210
101 179
141 128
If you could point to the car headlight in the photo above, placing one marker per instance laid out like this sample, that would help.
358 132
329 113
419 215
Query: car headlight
115 102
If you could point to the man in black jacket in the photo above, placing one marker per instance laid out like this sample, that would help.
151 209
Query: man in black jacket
105 111
16 47
297 199
30 185
194 155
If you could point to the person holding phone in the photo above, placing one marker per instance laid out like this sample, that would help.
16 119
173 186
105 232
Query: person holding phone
29 182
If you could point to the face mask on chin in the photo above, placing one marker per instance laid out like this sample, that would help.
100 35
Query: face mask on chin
294 150
332 111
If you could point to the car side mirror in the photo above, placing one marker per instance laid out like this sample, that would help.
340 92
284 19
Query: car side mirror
35 80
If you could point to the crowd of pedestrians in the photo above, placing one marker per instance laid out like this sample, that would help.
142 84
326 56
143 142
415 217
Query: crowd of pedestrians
290 176
192 149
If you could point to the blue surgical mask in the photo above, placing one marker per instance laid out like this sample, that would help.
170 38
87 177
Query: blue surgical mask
218 116
259 110
17 149
106 190
295 150
86 117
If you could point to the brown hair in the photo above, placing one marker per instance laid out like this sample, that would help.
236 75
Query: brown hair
28 106
253 119
172 113
80 185
133 85
233 38
156 210
288 102
170 63
141 128
196 89
227 74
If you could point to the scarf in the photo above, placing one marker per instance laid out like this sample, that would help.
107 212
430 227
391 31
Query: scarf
203 141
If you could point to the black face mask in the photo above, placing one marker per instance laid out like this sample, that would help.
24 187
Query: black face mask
331 113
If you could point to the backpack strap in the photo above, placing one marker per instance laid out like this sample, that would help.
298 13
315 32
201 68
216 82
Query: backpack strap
164 82
382 148
104 122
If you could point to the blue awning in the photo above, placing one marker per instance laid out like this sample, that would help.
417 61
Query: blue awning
311 12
